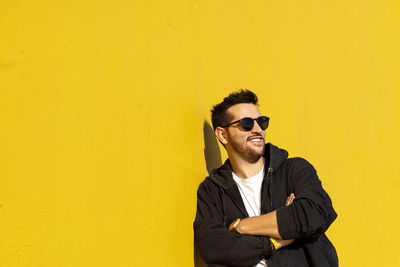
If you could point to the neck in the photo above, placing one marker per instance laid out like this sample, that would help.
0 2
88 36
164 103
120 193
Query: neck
245 169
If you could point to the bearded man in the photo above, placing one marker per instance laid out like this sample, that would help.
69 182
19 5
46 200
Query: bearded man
260 208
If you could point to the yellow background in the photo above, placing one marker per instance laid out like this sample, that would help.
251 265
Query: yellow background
104 108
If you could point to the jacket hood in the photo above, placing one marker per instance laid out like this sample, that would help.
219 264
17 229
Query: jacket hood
274 157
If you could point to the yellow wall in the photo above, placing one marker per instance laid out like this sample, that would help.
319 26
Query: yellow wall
103 107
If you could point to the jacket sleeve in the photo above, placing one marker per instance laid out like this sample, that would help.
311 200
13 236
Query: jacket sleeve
217 245
311 213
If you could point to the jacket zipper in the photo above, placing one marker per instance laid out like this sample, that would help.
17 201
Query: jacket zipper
269 179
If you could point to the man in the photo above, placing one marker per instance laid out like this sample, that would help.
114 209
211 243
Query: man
260 208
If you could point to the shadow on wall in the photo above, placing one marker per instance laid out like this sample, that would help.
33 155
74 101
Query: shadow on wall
212 156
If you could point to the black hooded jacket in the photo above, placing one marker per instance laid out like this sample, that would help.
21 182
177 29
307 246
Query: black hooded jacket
219 203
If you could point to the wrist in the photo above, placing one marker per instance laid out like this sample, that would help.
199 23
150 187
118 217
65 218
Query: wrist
241 227
234 226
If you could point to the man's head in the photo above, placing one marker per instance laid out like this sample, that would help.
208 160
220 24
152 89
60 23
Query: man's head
239 126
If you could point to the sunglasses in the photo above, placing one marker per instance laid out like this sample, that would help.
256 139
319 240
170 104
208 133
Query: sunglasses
247 123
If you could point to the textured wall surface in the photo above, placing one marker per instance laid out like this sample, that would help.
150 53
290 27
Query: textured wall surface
104 120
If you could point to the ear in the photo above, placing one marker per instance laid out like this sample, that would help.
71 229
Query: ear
221 134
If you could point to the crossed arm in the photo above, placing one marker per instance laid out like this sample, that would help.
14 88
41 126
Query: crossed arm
264 225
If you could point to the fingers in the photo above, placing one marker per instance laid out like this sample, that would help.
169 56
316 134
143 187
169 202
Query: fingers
287 201
290 199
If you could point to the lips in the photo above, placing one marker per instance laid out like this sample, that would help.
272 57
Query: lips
255 139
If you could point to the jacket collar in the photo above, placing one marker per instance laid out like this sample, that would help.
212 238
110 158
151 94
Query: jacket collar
274 157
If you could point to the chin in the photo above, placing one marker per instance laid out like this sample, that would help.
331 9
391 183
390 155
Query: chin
254 156
259 149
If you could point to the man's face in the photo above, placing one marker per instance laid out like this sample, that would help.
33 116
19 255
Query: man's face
248 145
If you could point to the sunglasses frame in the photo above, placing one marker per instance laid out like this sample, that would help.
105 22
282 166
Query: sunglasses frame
258 120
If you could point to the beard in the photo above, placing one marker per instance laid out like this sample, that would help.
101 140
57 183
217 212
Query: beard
248 151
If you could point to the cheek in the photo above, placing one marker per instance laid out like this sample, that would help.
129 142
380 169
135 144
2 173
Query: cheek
241 138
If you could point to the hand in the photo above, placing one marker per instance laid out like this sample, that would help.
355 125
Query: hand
282 243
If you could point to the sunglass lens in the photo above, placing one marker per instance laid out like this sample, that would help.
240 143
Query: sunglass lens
263 122
247 123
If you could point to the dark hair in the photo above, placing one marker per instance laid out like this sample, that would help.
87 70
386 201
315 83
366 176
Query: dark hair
220 117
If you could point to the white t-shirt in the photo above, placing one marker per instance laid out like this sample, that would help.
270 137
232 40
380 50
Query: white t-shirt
250 190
